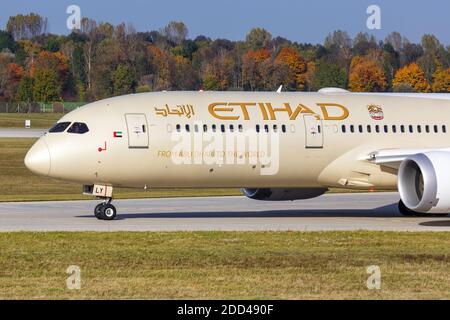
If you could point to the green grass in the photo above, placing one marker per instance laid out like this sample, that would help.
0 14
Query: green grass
17 183
225 265
38 120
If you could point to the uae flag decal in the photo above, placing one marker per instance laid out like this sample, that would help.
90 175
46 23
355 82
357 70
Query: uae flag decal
117 134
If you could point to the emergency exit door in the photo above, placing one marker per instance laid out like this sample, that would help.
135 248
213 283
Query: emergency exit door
313 132
137 130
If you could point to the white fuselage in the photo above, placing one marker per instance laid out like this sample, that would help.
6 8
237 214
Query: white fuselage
312 140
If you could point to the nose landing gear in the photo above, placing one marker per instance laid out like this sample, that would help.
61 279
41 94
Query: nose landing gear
105 211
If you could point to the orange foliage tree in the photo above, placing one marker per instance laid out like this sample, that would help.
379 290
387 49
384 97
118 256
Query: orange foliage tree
412 76
256 69
441 80
297 66
366 75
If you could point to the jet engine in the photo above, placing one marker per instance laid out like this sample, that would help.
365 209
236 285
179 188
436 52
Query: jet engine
282 194
424 182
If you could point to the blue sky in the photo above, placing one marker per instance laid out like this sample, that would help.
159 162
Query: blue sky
298 20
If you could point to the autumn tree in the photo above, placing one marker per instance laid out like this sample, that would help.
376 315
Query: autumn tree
363 43
441 80
218 73
184 74
258 38
175 32
366 75
26 26
339 46
297 68
412 76
434 56
256 69
49 70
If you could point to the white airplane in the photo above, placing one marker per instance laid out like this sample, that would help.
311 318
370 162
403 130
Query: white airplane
273 145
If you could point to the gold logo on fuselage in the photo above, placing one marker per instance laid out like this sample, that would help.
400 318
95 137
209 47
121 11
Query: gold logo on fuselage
240 110
186 110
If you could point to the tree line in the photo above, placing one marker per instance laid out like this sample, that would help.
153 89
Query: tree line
102 60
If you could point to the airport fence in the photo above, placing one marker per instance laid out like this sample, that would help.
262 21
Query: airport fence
39 107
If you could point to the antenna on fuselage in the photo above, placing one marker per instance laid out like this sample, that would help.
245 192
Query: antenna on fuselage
279 89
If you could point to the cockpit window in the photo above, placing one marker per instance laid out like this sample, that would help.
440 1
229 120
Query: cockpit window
78 127
59 127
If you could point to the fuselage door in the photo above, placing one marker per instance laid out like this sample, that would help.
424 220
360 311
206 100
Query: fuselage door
137 130
313 132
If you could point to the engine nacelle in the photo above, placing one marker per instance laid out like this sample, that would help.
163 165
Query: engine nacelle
282 194
424 182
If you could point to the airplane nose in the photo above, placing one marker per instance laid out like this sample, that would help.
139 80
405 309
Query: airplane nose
37 159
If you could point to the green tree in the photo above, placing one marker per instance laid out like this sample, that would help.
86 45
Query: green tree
7 41
123 80
328 75
25 91
46 86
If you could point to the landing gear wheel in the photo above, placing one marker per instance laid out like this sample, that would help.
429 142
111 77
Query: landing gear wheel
98 211
109 212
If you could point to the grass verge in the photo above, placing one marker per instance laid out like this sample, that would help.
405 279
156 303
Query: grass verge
38 120
225 265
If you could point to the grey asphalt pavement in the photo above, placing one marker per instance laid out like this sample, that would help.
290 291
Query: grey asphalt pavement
21 133
367 211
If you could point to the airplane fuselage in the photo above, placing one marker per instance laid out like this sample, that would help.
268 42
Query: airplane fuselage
303 139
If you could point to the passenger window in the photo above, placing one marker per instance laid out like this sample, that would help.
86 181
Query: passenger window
427 129
419 129
187 128
411 129
319 128
178 128
196 127
343 128
386 129
377 129
283 128
275 128
394 129
360 128
352 128
444 129
435 129
231 128
257 128
78 128
369 128
222 128
402 128
214 128
59 127
205 128
266 128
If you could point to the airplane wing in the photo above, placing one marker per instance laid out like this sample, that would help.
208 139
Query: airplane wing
393 157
